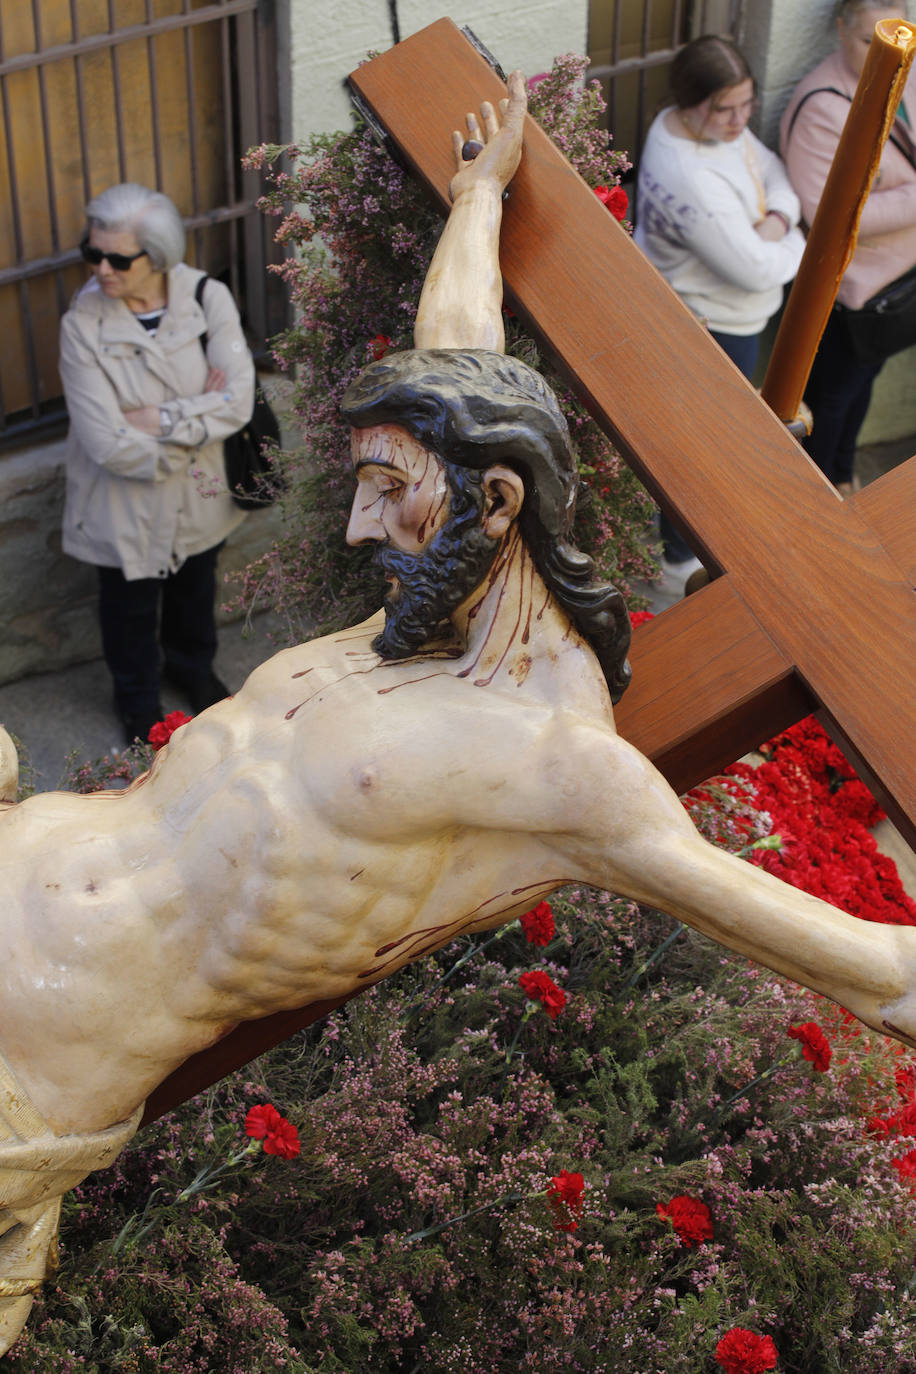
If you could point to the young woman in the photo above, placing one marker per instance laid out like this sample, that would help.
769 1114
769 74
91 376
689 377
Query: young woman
715 211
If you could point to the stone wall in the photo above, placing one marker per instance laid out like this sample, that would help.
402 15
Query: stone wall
47 599
329 38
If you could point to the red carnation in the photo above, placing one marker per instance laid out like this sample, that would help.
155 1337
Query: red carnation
615 198
260 1120
566 1194
815 1045
641 617
538 924
163 730
744 1352
379 346
280 1136
538 987
690 1218
283 1140
906 1165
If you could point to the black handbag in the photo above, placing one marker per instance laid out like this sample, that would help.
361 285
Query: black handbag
885 324
252 479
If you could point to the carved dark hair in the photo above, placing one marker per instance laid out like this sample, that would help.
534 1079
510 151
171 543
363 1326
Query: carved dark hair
474 409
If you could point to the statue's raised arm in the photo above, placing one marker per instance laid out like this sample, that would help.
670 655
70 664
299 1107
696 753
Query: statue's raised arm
461 302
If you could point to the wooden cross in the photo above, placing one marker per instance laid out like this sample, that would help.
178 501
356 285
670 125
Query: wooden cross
813 606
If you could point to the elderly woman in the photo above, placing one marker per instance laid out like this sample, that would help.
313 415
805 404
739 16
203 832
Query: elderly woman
147 502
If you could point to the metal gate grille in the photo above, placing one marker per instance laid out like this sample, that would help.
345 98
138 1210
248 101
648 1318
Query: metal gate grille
168 93
631 45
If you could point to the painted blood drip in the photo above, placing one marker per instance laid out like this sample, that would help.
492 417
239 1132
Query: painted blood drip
414 950
901 1035
500 571
329 686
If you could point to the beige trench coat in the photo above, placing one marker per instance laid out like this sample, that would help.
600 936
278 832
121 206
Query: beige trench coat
135 501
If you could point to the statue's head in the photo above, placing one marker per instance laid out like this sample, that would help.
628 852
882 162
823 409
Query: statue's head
452 447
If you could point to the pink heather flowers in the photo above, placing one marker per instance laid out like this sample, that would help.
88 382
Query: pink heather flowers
280 1136
538 925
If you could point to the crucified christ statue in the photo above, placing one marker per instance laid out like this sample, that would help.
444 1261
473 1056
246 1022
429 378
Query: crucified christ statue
368 796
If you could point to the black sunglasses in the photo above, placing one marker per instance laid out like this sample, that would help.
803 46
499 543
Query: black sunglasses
119 261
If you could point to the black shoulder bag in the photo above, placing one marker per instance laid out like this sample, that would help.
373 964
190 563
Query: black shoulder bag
252 480
886 323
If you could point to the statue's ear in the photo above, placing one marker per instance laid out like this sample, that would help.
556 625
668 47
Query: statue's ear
504 493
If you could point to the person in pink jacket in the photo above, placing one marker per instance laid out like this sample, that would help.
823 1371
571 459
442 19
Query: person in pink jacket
840 386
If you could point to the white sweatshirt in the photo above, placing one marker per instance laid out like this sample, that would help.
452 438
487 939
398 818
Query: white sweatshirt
697 204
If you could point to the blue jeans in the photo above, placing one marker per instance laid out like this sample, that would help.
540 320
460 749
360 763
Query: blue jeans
743 350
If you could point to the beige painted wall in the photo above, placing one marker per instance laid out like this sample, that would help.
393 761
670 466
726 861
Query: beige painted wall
328 38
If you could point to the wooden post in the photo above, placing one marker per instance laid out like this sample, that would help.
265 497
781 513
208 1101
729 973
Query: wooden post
832 239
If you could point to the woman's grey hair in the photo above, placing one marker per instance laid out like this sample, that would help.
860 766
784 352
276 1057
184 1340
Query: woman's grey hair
150 216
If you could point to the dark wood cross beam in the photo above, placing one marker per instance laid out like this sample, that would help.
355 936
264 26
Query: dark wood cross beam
814 603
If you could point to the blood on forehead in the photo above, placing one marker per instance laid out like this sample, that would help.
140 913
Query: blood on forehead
392 446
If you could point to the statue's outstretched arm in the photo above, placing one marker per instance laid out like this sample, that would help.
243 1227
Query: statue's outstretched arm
637 840
461 302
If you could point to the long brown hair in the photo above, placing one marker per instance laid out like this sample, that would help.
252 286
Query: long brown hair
710 63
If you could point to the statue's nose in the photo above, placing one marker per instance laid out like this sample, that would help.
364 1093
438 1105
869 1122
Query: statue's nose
364 526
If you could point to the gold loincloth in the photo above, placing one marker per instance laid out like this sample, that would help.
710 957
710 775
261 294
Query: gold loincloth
36 1169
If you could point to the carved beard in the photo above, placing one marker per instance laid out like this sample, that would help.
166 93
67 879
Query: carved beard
434 583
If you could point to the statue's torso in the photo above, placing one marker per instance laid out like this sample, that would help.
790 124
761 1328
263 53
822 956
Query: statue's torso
337 818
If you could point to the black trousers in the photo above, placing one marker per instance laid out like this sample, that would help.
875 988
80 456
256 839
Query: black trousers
838 392
133 629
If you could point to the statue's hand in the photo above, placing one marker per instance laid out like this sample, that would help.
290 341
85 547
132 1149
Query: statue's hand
499 142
